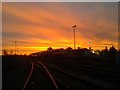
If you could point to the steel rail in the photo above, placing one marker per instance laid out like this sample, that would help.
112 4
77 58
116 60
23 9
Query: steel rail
47 71
82 77
26 82
56 79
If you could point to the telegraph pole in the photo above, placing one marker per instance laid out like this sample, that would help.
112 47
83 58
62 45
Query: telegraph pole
15 47
74 36
90 43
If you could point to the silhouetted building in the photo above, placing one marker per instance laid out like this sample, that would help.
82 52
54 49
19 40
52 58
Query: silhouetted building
84 51
49 50
58 51
97 52
68 51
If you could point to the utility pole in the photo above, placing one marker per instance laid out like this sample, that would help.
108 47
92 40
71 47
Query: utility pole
74 36
15 47
90 43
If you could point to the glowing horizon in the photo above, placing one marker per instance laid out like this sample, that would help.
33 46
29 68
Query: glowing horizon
37 26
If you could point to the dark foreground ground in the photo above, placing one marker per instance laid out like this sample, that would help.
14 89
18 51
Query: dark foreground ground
98 71
15 70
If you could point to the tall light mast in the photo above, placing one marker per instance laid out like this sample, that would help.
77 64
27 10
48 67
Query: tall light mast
74 36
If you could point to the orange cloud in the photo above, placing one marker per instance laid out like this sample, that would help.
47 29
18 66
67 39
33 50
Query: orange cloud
41 25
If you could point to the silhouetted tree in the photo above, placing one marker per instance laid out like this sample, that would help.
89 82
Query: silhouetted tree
11 52
5 52
78 48
106 49
112 51
105 52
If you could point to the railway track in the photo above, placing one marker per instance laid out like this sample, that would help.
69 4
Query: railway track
85 77
39 72
80 80
56 75
60 78
54 83
28 78
92 68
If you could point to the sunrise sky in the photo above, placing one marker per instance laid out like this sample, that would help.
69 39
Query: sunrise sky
37 26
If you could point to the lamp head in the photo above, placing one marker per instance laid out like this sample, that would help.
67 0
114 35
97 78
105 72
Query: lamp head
74 26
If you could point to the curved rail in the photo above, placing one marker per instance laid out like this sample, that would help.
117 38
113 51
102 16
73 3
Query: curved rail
47 71
28 76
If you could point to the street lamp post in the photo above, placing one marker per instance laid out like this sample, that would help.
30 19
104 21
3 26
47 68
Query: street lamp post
74 36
